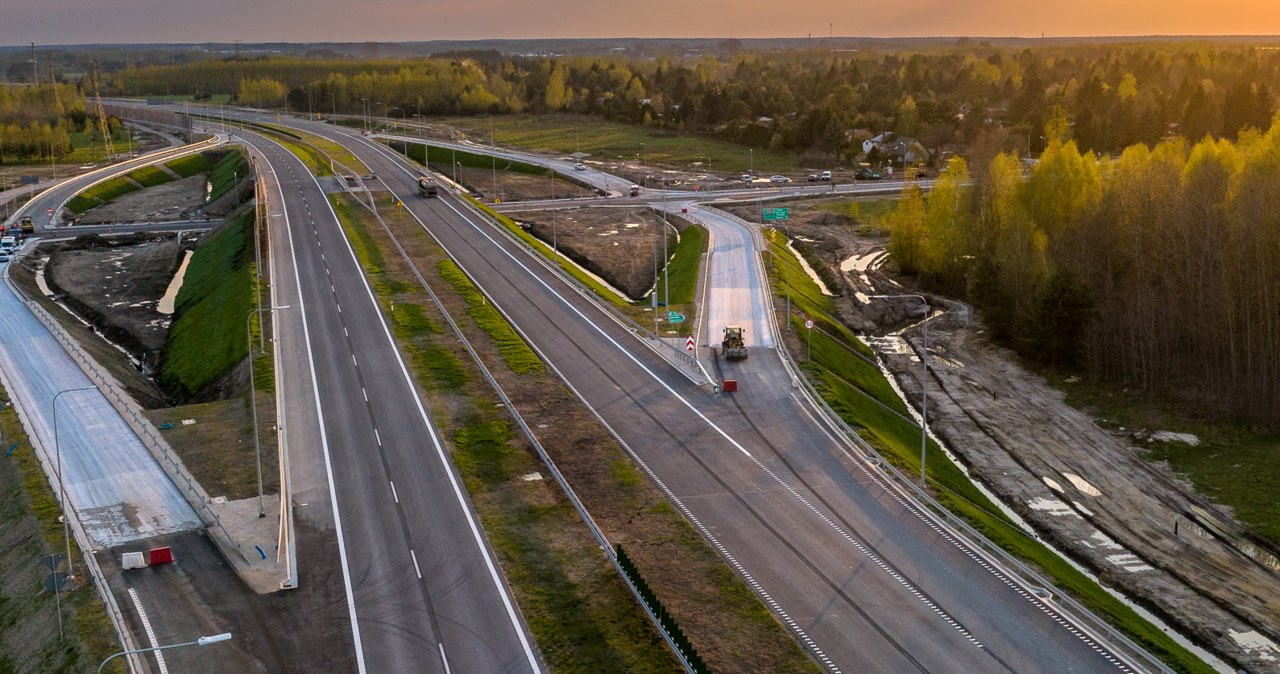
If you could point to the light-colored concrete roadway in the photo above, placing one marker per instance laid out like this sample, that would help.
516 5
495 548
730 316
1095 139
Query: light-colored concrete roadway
117 489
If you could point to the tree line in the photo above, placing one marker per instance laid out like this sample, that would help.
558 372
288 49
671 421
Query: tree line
36 122
1157 268
799 100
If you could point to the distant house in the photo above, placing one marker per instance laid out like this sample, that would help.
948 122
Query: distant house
882 142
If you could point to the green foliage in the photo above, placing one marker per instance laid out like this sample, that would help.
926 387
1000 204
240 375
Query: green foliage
191 165
1063 308
227 173
150 176
515 352
443 157
103 193
207 337
682 270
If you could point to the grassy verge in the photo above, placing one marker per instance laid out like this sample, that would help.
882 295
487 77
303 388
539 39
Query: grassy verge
790 279
443 156
518 356
582 618
210 311
682 270
102 193
227 173
872 211
1234 464
30 529
191 165
600 138
862 399
150 176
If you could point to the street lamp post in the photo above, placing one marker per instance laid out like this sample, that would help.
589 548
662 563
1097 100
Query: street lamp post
751 157
253 400
62 484
202 641
924 381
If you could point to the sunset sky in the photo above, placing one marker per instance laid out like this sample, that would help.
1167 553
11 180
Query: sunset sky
65 22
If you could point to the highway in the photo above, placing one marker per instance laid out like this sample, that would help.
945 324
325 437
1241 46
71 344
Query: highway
117 490
424 593
855 570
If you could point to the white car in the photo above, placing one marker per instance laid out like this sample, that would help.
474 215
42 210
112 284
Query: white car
779 179
579 167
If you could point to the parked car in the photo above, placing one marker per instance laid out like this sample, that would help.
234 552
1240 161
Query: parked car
813 177
579 167
826 175
746 179
779 179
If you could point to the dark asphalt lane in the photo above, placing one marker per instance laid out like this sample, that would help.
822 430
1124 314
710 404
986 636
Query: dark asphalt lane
859 577
427 595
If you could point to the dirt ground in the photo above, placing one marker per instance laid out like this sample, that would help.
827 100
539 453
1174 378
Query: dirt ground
181 199
116 284
617 244
513 186
1086 490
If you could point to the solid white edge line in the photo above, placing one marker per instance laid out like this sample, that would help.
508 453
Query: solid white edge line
444 459
324 444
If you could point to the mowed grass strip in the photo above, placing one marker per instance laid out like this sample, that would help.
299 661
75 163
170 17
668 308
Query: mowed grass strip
229 171
683 267
855 395
207 337
581 617
517 354
191 165
150 176
102 193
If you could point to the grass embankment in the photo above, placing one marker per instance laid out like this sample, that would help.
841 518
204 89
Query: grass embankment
1234 464
863 398
30 528
150 176
582 617
191 165
684 266
206 339
600 138
102 193
227 173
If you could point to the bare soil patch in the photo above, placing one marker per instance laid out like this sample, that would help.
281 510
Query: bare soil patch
617 244
514 186
181 199
1140 532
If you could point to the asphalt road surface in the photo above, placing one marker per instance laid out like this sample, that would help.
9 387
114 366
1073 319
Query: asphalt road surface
424 592
117 490
865 581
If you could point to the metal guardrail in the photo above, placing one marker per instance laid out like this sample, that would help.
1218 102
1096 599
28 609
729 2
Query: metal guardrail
528 433
142 428
90 562
907 486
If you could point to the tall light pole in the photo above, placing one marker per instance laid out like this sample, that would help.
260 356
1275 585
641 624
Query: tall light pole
202 641
62 484
751 157
666 258
253 399
924 381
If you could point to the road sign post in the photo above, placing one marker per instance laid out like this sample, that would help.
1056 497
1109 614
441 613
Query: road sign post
808 327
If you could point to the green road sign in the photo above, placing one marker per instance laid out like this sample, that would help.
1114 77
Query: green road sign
675 317
777 213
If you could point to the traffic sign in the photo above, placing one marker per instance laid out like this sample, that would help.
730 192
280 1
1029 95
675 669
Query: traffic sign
808 325
689 344
675 317
777 213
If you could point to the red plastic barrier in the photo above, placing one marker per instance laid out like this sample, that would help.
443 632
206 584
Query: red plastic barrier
161 556
730 385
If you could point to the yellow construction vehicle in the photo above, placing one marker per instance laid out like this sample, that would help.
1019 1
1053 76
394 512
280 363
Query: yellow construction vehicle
734 347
